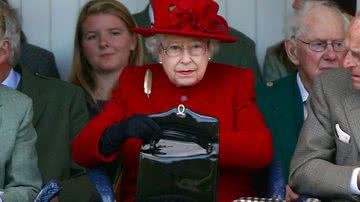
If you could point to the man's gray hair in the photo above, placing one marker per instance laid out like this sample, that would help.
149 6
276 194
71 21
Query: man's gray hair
295 25
153 45
10 31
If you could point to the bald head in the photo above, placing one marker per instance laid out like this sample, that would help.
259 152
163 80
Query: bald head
317 19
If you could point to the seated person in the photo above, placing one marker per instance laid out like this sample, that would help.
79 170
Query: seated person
186 76
276 63
95 72
59 114
314 45
242 53
326 159
20 179
37 60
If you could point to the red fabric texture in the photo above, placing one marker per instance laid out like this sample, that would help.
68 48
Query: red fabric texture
225 92
190 18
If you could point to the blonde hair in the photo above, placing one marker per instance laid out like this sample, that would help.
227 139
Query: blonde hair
82 72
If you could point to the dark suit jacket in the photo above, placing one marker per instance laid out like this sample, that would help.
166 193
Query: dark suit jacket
275 66
239 54
59 114
281 104
38 60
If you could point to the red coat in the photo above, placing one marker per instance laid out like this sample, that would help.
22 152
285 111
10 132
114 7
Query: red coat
225 92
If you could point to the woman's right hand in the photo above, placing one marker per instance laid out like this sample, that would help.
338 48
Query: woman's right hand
138 126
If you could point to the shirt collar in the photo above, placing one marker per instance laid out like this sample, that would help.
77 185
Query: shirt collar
12 80
304 93
151 14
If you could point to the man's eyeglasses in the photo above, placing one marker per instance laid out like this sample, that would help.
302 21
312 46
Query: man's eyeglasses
194 49
321 45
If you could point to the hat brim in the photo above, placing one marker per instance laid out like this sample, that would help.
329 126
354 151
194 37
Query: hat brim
146 32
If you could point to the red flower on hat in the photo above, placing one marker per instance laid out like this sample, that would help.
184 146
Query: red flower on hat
200 15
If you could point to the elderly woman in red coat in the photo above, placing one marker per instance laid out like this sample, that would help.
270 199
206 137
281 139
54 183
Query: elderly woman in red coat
184 36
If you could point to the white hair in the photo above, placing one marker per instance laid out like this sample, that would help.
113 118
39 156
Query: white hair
10 30
153 45
295 26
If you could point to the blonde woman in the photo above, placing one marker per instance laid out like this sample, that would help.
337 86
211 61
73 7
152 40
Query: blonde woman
104 45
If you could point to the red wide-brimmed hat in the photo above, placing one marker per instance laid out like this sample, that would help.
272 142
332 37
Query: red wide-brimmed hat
196 18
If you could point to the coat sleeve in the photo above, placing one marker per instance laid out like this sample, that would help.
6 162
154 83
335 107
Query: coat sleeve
249 144
242 53
311 170
22 177
77 187
85 147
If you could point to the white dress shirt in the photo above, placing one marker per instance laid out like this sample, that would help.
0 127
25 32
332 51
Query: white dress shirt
303 92
12 80
151 14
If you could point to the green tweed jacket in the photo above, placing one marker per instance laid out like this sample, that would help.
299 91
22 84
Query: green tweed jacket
239 54
274 68
59 114
281 104
20 179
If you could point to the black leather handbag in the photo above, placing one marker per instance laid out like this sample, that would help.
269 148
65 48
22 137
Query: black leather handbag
183 164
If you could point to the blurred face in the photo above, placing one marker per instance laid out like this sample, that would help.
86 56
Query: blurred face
184 59
297 4
306 52
106 42
5 67
352 59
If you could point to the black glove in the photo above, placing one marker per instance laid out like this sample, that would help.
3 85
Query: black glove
138 126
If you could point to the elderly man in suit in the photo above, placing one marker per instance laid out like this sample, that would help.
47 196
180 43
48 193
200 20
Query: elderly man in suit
59 113
20 179
37 60
239 54
326 161
276 63
314 45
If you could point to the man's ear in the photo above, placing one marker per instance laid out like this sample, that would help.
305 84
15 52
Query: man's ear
291 51
5 51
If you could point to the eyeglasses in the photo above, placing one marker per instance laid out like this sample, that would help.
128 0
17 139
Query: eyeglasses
321 45
194 49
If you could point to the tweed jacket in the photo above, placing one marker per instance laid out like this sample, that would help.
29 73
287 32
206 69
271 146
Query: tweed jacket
239 54
281 104
20 178
38 60
60 112
273 68
328 147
